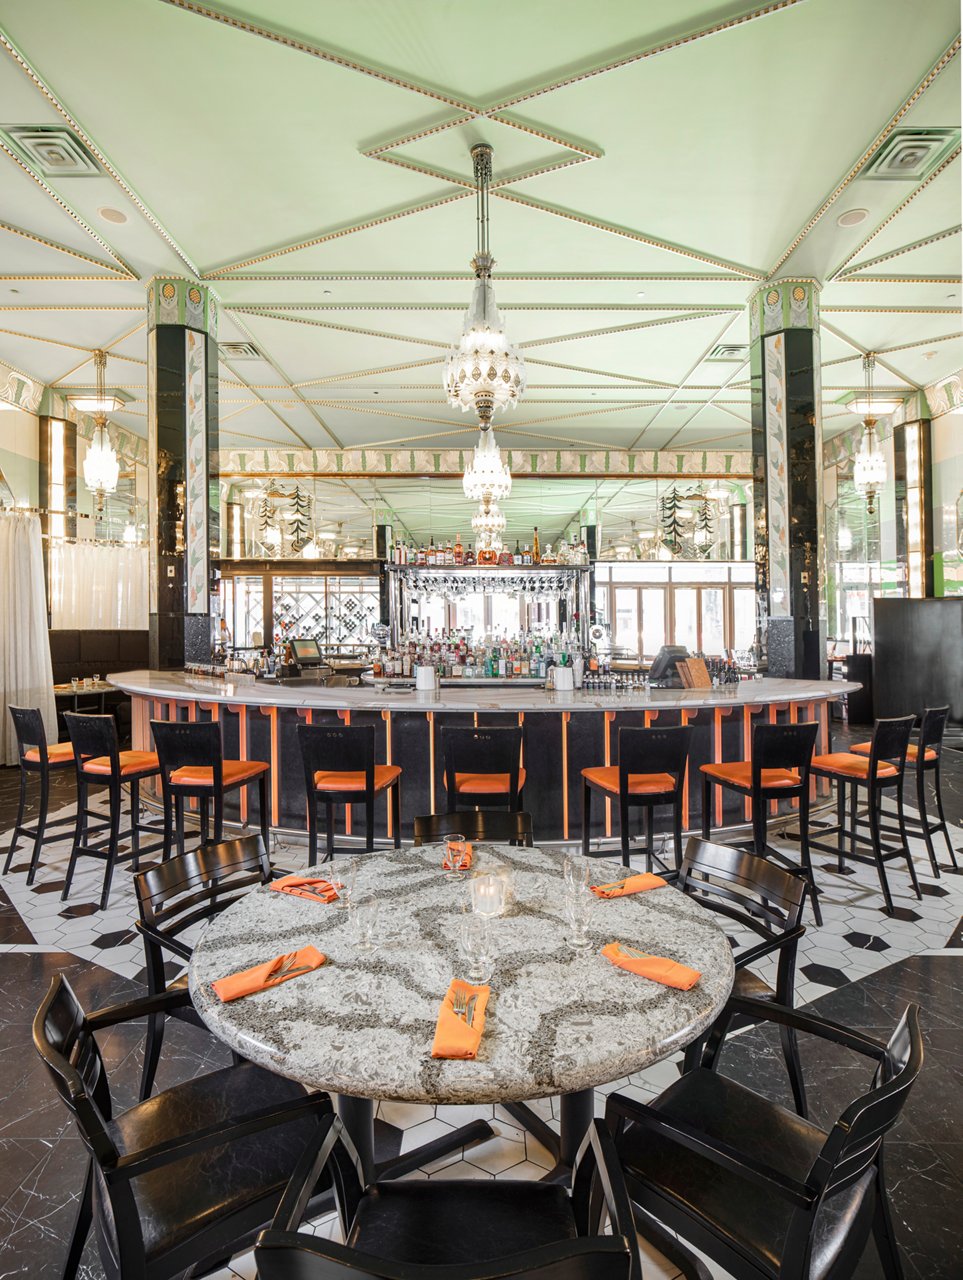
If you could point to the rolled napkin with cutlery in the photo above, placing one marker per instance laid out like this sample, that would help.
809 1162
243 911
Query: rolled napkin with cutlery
307 887
656 968
270 974
458 856
631 884
461 1021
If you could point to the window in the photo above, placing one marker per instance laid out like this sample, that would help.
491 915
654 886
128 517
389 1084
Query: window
686 631
626 634
707 614
653 621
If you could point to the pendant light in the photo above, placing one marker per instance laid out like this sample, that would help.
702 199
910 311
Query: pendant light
101 468
869 467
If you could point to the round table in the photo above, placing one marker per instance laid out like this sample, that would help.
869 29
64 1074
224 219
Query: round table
559 1021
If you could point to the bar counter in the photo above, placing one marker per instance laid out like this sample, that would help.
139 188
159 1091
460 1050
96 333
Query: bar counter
563 732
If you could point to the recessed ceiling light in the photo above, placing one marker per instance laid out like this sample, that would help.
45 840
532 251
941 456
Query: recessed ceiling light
929 355
852 217
679 408
640 294
327 292
110 214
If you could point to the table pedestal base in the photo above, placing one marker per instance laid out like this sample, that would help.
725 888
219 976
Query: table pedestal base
577 1110
357 1114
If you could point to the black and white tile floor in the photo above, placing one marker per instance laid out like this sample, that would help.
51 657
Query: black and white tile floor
917 955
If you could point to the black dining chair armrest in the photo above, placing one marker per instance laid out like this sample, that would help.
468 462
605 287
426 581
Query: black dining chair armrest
114 1015
331 1142
214 1135
770 1011
620 1109
597 1169
760 949
164 940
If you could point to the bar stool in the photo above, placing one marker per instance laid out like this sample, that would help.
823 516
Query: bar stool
650 771
192 766
483 766
925 754
339 768
779 768
884 769
36 758
100 762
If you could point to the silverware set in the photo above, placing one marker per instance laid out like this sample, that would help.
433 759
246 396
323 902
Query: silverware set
464 1006
289 968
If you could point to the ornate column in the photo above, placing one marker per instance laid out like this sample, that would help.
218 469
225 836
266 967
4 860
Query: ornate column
787 477
183 471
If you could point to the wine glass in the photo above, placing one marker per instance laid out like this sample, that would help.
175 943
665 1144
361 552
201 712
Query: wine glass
347 877
475 944
454 850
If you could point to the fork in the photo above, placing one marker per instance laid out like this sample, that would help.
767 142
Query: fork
634 952
289 968
459 1005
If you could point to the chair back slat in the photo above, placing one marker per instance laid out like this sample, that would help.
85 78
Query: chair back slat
175 894
188 744
932 728
29 728
783 746
495 825
94 736
337 749
483 750
853 1143
890 742
764 894
653 751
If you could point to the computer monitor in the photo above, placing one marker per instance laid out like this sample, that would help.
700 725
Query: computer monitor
663 668
307 653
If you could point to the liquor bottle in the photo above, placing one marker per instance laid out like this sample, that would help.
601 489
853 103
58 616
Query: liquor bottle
536 550
432 553
517 559
449 554
422 556
505 559
527 555
470 554
459 550
487 556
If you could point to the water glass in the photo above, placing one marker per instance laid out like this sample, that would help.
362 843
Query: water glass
453 851
346 876
75 683
488 895
366 917
476 948
579 907
578 873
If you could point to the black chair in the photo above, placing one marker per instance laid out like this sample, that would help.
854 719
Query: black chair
100 762
765 1193
779 767
173 898
768 901
187 1178
455 1230
650 771
482 766
37 758
339 768
925 754
493 825
881 771
192 766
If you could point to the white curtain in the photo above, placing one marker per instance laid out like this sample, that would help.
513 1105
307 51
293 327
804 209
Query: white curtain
94 587
26 678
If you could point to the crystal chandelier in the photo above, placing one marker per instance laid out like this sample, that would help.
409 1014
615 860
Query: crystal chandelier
486 475
101 468
488 521
483 372
869 468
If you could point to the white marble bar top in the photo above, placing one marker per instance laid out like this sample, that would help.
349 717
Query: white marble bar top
177 685
558 1019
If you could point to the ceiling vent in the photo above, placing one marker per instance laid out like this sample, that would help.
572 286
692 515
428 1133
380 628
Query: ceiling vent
729 353
53 150
239 351
908 155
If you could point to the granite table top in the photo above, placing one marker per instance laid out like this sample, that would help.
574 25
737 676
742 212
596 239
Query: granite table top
558 1020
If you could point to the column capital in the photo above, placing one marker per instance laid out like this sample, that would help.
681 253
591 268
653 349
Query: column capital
174 300
788 303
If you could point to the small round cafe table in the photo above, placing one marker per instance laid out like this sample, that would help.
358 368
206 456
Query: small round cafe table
559 1021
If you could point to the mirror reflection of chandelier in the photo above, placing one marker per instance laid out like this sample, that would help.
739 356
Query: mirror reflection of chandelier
483 371
488 521
101 467
869 467
486 474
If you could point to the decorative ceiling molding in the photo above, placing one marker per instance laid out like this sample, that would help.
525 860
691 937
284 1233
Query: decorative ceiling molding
115 272
621 328
326 324
855 272
943 61
861 279
466 277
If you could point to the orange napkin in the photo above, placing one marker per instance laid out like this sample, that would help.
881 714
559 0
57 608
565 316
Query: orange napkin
631 884
453 1037
655 968
307 887
462 861
270 974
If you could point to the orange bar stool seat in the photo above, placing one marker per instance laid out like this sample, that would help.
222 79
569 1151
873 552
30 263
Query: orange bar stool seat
38 760
339 768
925 757
99 761
650 771
778 769
882 769
192 766
482 766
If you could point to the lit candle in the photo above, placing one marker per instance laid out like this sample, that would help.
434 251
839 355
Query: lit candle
487 895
